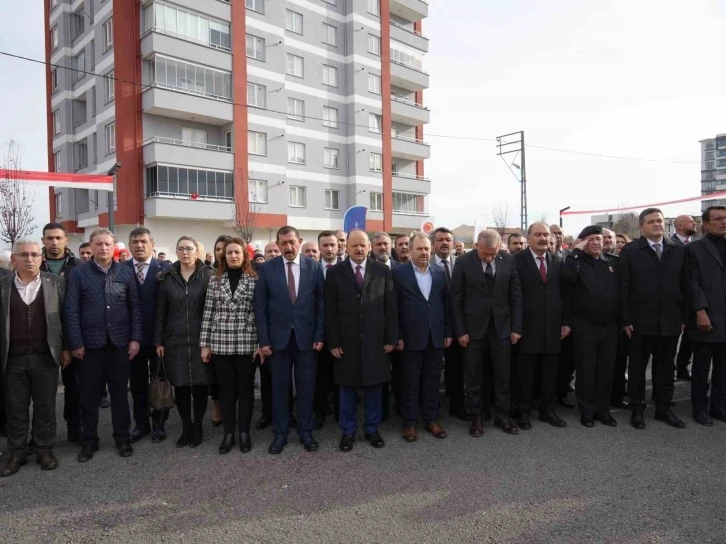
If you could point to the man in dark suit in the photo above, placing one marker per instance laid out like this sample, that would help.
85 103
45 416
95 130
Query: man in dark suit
487 314
707 325
566 364
424 325
685 231
361 326
653 286
544 326
290 313
146 270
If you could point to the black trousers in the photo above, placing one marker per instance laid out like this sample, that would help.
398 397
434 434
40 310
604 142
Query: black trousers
596 346
31 377
704 354
324 385
663 351
420 376
454 375
141 368
266 391
71 376
480 371
183 396
621 367
236 380
566 367
685 352
533 369
108 365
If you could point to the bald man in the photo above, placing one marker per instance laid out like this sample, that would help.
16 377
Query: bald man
685 230
271 251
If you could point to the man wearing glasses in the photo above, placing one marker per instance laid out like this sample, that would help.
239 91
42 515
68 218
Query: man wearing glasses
31 350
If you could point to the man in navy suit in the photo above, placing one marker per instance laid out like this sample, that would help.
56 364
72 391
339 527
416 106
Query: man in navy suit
425 330
290 313
146 269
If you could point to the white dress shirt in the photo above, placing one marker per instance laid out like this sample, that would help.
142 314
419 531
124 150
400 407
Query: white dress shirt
325 266
536 261
146 268
440 262
295 271
684 240
362 267
494 266
662 246
424 280
28 291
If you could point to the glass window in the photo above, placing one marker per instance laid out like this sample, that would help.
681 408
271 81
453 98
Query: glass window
330 35
54 79
376 202
256 95
374 45
56 122
110 135
57 161
408 56
255 47
295 65
295 153
108 34
183 75
294 22
374 7
297 196
375 162
109 86
330 76
54 38
331 158
330 117
257 143
295 109
332 198
258 191
374 83
255 5
59 205
375 123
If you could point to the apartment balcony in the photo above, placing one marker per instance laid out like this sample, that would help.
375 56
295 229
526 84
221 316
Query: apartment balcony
409 36
411 183
409 77
160 206
408 112
167 43
412 149
411 10
170 151
185 104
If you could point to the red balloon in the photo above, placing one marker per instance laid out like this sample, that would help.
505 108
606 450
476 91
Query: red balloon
116 253
251 251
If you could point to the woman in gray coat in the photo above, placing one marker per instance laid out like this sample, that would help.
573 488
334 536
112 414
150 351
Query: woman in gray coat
179 308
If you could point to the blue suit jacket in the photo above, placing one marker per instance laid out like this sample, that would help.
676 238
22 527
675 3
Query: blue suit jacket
276 314
419 318
148 292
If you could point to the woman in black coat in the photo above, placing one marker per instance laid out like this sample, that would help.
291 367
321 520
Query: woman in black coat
179 308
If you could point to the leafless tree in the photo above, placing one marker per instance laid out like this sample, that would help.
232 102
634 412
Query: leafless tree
627 223
542 218
500 215
244 215
16 199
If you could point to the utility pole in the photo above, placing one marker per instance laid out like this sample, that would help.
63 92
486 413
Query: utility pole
514 143
110 197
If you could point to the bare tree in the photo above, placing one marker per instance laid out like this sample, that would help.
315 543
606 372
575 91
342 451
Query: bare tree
16 199
500 215
542 218
627 223
244 215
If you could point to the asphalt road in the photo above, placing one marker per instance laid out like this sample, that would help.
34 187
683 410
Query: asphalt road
574 485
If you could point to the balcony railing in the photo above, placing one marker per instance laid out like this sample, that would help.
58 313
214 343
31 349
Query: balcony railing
187 196
408 102
184 143
186 90
410 176
407 29
421 70
409 212
408 139
82 208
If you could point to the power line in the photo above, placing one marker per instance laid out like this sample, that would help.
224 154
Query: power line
285 113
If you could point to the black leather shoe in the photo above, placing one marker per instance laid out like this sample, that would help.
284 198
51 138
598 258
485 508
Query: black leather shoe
606 419
139 432
553 419
319 422
669 418
618 402
476 429
717 414
292 422
197 434
86 453
124 449
587 421
505 424
103 403
375 439
245 443
565 402
637 420
310 444
263 422
524 422
184 439
702 418
158 434
12 465
683 374
47 460
346 443
277 446
227 443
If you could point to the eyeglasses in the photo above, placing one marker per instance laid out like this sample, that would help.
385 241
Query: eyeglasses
26 255
187 249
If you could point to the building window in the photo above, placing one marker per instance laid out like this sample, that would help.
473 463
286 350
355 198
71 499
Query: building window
376 202
297 196
80 152
109 132
54 79
408 56
375 162
255 47
77 24
375 123
107 32
109 86
295 109
374 84
258 191
95 147
409 204
330 35
255 5
93 55
57 161
374 45
187 25
59 205
332 199
295 65
257 143
709 166
294 22
295 153
256 95
330 117
184 76
54 38
56 122
189 182
710 145
330 159
53 4
331 2
330 75
394 168
709 155
228 140
78 65
721 163
374 7
194 137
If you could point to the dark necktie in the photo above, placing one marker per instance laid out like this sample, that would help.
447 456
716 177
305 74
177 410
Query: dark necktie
358 277
489 273
328 266
446 269
542 269
291 282
658 250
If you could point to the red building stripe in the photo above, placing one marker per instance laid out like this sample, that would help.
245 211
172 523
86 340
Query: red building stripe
386 105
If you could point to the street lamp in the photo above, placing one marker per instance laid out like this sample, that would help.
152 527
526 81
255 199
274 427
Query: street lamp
110 196
563 210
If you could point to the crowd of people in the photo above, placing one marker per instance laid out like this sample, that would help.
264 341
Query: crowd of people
511 326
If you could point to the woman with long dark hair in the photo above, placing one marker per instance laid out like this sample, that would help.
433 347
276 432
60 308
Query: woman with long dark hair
179 308
229 340
214 388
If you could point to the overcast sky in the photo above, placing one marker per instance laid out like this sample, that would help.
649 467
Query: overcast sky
621 77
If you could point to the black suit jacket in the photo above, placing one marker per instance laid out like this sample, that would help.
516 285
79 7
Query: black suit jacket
707 289
653 293
148 293
473 303
543 309
361 322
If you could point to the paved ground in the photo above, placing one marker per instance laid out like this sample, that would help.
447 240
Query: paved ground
545 485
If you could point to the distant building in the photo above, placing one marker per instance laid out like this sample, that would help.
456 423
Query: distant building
465 233
713 169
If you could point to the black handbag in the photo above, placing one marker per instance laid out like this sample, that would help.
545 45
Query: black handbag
161 393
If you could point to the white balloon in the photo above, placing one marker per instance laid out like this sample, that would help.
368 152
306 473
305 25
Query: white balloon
120 245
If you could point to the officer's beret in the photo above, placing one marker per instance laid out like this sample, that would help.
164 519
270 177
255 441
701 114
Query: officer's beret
589 231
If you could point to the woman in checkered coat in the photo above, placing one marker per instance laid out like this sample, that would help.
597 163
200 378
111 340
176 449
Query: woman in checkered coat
229 340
